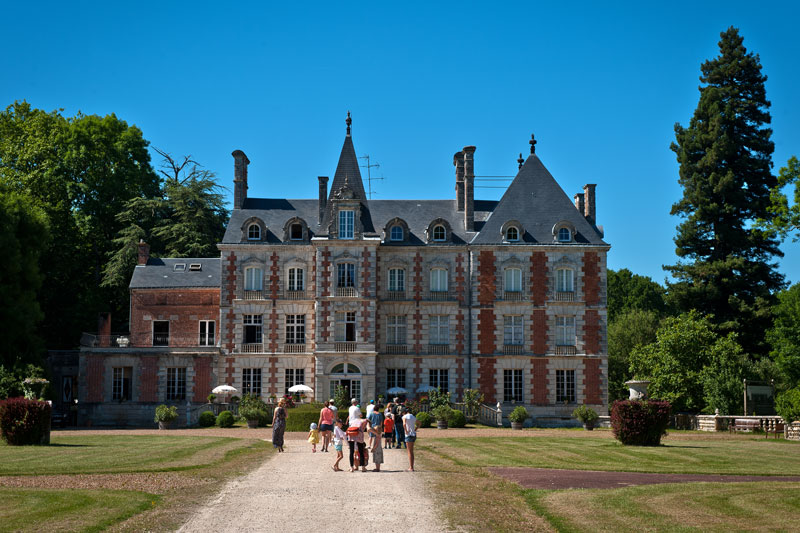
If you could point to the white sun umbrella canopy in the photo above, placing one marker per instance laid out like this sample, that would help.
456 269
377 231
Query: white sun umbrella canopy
301 388
426 388
224 389
397 390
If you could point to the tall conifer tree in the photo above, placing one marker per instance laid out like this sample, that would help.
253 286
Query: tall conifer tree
726 265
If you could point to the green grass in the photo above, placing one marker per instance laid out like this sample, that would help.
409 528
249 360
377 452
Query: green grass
682 456
114 454
68 510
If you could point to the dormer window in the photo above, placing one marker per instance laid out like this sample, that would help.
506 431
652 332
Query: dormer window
439 233
346 223
195 267
512 234
254 232
296 232
396 234
564 235
179 267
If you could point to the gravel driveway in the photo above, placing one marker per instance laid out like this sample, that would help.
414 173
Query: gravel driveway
298 491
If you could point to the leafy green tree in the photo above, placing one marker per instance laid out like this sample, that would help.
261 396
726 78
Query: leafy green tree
628 291
726 266
632 329
785 218
784 337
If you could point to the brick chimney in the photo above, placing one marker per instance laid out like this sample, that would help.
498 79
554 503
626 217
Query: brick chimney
579 202
104 329
469 188
589 207
144 252
240 163
458 161
323 196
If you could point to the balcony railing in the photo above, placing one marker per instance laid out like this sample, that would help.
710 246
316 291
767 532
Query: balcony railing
344 346
438 349
144 340
566 350
294 348
565 296
254 347
439 296
296 295
396 295
346 292
513 349
254 295
513 296
396 349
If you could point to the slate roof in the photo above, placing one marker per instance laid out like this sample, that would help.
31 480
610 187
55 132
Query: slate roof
161 274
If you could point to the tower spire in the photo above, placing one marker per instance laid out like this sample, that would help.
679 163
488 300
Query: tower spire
348 121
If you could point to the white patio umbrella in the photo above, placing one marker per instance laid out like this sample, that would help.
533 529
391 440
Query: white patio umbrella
426 388
224 389
397 390
301 388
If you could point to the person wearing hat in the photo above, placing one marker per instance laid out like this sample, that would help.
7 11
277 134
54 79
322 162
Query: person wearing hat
410 427
370 407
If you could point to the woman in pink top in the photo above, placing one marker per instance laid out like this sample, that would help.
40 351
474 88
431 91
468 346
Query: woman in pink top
325 425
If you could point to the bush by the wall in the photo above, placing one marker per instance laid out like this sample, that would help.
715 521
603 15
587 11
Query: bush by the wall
424 419
788 405
640 423
225 419
457 419
301 417
24 421
207 419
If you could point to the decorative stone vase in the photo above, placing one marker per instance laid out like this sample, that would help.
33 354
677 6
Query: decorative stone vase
516 425
252 423
638 389
441 424
123 342
164 425
589 426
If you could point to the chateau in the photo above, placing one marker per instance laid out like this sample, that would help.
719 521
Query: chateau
508 297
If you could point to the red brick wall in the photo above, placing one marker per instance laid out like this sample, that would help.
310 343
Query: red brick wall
229 273
592 382
274 277
460 332
202 378
461 280
94 378
487 382
539 333
538 280
148 379
487 278
273 330
591 278
418 278
417 331
460 378
417 372
539 381
591 331
189 305
486 336
325 284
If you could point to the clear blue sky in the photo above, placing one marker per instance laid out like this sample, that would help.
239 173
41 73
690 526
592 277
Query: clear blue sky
601 86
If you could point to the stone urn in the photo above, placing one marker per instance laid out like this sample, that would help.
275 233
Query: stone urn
441 424
516 425
164 425
638 389
252 423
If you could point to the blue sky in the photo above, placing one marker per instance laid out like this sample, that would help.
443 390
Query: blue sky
600 84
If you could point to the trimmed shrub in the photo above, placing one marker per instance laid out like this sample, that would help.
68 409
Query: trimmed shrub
165 413
586 415
225 419
442 412
640 423
788 405
457 419
519 414
24 421
424 419
207 419
301 417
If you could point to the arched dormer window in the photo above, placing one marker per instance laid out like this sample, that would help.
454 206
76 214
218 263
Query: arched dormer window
564 232
253 230
396 230
295 229
511 231
439 231
512 234
396 234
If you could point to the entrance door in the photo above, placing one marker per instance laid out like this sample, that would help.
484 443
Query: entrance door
352 388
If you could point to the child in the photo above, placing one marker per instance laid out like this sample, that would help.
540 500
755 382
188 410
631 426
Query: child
338 438
388 431
377 450
313 436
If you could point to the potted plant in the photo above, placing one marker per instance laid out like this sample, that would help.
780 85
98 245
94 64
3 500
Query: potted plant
211 398
518 416
252 409
442 415
272 398
165 415
586 415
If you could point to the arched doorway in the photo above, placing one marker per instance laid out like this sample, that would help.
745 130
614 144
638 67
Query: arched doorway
346 375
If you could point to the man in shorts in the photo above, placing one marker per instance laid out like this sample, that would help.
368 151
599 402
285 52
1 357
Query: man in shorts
410 427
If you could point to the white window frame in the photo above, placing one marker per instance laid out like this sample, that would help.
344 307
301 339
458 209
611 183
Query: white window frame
208 332
257 323
253 278
254 232
251 381
565 386
512 330
439 279
513 385
176 383
439 330
296 279
439 378
439 233
516 234
343 320
397 280
512 279
347 219
121 383
345 275
565 280
393 233
396 329
295 329
565 331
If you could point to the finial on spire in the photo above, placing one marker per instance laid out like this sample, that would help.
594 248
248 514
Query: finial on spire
348 121
533 142
520 160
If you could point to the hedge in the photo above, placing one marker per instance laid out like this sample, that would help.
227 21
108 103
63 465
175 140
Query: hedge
301 417
456 420
207 419
25 421
225 419
640 423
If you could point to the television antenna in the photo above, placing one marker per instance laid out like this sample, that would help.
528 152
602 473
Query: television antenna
370 179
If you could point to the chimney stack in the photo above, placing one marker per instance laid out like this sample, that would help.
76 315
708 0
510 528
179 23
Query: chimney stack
579 203
458 161
144 252
589 207
104 329
323 196
240 163
469 188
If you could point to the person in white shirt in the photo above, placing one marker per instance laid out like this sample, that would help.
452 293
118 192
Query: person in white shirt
370 407
410 427
338 438
354 412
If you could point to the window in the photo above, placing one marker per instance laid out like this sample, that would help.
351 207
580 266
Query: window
346 223
294 376
295 329
195 267
565 331
296 232
251 381
346 326
564 280
565 386
564 235
512 332
253 232
512 234
252 329
176 384
513 281
207 330
345 368
440 329
396 329
346 275
395 377
439 280
396 233
438 378
160 332
512 385
121 383
296 279
253 279
397 279
179 267
439 233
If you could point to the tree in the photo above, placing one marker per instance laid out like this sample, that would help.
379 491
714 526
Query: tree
784 218
725 266
784 337
628 291
630 330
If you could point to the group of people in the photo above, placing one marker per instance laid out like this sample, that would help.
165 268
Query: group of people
365 434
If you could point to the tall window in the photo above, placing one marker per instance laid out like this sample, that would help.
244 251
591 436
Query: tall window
121 383
296 279
251 381
438 378
438 280
564 280
395 377
294 376
346 223
512 329
396 333
295 329
439 233
512 385
346 326
565 330
565 386
176 384
396 233
207 330
253 232
346 275
513 281
160 332
397 279
253 279
440 329
252 329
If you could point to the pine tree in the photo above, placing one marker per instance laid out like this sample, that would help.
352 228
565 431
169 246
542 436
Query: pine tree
726 266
